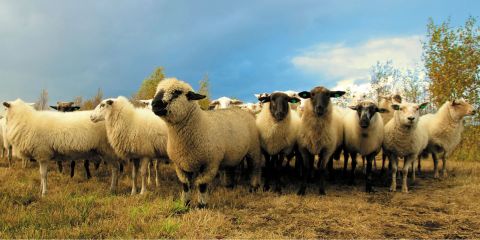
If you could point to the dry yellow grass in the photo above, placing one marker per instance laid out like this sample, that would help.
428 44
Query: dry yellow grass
77 208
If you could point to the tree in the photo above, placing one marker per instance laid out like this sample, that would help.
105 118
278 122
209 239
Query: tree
384 79
42 102
204 84
452 60
94 101
149 85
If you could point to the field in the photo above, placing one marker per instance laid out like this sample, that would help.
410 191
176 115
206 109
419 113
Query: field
77 208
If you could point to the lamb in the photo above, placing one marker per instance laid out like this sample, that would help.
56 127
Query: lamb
134 133
445 129
199 142
363 134
404 139
320 132
278 128
46 135
224 103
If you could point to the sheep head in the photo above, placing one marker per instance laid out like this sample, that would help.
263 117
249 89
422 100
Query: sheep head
407 114
101 110
174 100
320 99
279 107
366 111
460 108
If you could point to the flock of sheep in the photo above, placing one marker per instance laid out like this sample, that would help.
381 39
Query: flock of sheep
258 136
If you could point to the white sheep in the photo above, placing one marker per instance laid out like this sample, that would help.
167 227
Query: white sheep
403 138
47 135
224 103
278 128
363 134
386 102
320 133
445 129
199 142
134 133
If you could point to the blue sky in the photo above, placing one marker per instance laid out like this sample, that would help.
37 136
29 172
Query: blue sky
72 48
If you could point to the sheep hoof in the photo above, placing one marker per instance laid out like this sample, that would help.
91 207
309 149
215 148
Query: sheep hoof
444 175
202 205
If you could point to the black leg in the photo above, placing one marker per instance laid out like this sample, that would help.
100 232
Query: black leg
86 165
345 162
368 175
60 166
230 172
353 155
268 171
203 190
72 168
307 165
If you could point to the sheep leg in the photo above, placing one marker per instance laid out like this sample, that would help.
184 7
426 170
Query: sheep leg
97 165
331 173
43 176
324 158
135 166
60 166
72 168
345 163
444 166
298 161
278 172
149 177
230 177
145 162
86 165
206 176
419 166
353 156
268 170
186 180
368 176
9 156
115 172
435 166
157 176
393 159
374 163
307 165
364 167
408 162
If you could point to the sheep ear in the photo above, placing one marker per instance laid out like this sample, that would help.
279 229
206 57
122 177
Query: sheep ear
6 104
336 94
396 107
455 102
109 102
54 107
304 94
264 99
423 105
353 107
397 98
382 110
194 96
294 100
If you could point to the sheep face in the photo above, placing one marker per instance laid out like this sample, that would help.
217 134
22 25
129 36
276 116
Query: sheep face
99 113
407 114
279 107
459 108
320 99
387 101
223 103
366 111
174 100
65 107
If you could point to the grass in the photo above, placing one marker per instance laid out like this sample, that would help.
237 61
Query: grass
77 208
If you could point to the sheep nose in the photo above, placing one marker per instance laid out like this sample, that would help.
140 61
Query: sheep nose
411 118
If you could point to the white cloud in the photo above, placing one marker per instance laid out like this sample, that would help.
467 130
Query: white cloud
350 65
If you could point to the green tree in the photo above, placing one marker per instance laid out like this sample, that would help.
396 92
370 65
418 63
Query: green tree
204 85
149 85
452 61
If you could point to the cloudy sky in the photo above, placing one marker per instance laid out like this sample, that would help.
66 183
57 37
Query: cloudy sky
72 48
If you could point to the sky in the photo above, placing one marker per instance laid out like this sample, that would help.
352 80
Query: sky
72 48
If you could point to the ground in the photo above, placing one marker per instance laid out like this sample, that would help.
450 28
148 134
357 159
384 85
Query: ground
80 208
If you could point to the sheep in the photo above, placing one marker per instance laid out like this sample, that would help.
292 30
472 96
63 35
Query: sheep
146 103
65 107
386 103
224 103
46 135
320 132
199 142
363 134
403 138
134 133
445 129
278 129
253 108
